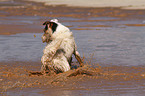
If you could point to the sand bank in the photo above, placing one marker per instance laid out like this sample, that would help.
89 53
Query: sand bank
125 4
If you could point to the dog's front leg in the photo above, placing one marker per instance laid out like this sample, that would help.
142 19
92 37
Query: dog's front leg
49 52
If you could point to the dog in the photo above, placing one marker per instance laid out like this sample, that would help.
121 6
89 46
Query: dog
57 55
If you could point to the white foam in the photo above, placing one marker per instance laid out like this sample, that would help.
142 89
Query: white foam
127 4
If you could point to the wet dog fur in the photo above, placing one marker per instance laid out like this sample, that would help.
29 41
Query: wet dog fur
57 55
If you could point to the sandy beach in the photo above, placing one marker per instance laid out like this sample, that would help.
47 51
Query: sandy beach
113 31
124 4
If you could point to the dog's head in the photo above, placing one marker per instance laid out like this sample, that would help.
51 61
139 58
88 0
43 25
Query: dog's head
49 29
53 29
50 25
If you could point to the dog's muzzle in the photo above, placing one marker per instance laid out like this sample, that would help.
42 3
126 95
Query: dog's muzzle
46 38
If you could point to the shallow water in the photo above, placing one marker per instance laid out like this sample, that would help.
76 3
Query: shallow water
105 41
82 91
113 44
21 47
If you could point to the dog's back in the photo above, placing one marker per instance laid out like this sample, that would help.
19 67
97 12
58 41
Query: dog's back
68 43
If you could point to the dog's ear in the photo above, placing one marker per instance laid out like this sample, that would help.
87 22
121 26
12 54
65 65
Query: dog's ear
46 28
53 26
46 25
50 25
47 22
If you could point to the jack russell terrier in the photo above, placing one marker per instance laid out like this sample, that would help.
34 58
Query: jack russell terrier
57 55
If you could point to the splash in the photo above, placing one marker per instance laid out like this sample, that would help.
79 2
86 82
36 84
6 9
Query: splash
18 76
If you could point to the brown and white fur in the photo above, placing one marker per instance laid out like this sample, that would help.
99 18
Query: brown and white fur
60 47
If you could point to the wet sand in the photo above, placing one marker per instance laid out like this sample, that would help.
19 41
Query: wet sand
15 79
113 80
